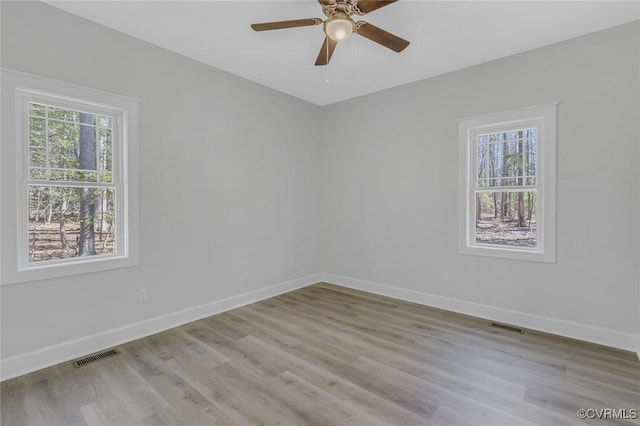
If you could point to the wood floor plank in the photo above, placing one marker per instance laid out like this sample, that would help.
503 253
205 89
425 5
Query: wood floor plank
363 400
328 355
187 405
13 409
94 416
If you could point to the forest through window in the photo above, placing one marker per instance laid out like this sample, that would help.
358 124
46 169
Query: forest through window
506 193
70 183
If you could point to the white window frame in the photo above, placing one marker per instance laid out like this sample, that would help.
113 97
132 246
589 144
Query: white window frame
543 118
19 89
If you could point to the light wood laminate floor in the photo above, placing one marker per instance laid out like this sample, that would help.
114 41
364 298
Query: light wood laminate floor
326 355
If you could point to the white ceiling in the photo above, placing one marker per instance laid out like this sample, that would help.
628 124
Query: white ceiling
445 36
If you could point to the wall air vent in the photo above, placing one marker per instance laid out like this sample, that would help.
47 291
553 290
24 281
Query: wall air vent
81 362
507 327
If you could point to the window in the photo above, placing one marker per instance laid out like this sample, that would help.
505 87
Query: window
72 190
76 193
507 184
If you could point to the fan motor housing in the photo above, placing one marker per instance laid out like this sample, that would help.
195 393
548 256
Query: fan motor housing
347 7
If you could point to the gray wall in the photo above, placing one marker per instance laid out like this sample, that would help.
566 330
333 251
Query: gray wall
228 177
233 182
389 190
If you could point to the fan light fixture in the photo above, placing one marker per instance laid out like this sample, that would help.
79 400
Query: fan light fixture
339 28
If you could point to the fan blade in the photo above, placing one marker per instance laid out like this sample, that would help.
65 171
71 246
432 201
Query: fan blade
278 25
326 51
366 6
381 36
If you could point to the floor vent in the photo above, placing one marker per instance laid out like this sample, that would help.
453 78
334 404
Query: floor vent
81 362
507 327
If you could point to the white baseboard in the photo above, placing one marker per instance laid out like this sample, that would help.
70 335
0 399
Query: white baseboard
65 351
588 333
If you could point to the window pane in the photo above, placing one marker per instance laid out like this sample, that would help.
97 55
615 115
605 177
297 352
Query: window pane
106 177
506 218
69 175
105 144
483 161
66 222
36 109
104 121
530 154
37 157
37 174
37 129
37 142
506 158
63 114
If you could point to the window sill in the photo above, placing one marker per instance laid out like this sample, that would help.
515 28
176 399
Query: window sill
65 269
509 253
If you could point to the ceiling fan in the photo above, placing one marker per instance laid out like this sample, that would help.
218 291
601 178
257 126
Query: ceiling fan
339 26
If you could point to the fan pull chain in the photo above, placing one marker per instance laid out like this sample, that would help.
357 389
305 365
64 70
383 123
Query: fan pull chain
353 64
